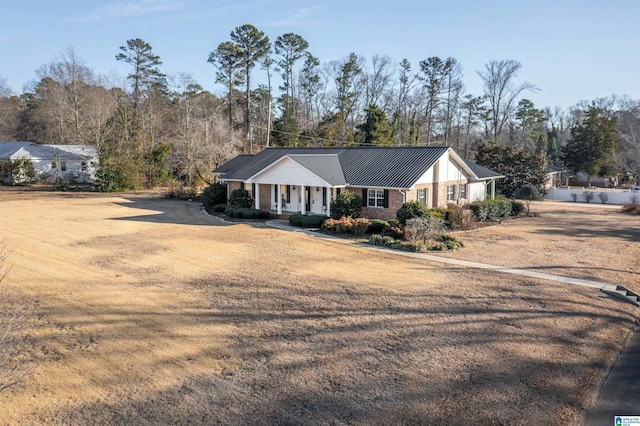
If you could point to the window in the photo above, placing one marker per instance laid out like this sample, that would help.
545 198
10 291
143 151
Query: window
423 195
241 185
288 194
375 198
54 166
463 191
84 166
63 166
451 193
324 196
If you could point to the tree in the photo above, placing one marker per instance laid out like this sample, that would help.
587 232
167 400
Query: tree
145 74
290 48
528 193
533 132
519 166
285 130
593 145
376 130
226 58
501 93
347 204
252 46
433 74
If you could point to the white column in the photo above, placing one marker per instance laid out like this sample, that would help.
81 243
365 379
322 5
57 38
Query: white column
328 201
303 198
279 198
493 189
257 196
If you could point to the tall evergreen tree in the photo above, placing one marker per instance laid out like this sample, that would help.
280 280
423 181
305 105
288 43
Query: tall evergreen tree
252 45
290 48
226 59
376 130
593 146
146 73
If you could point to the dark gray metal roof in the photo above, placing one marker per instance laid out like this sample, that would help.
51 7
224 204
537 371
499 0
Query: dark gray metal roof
381 167
326 166
236 162
482 173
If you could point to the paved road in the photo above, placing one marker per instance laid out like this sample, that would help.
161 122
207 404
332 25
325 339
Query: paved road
620 394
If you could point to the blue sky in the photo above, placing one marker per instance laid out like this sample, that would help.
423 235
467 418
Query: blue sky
572 50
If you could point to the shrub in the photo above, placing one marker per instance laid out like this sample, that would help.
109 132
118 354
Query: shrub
394 223
393 232
312 220
360 226
457 217
603 197
60 184
634 199
491 209
517 207
376 226
528 193
295 219
574 196
249 213
410 210
108 179
240 198
214 194
347 204
588 196
219 208
180 191
22 171
424 228
447 245
376 240
229 210
633 208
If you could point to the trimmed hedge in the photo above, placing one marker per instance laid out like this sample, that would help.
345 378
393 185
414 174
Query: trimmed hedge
448 242
347 225
219 208
412 209
491 209
376 226
247 213
307 220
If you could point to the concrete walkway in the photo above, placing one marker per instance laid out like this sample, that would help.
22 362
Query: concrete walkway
284 225
620 391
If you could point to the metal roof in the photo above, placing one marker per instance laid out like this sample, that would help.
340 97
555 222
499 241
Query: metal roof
482 173
382 167
325 166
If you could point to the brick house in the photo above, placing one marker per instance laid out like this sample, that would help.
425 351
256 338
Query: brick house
306 180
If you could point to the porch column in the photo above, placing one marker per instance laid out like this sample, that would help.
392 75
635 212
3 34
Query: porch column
328 201
256 196
303 197
493 189
279 198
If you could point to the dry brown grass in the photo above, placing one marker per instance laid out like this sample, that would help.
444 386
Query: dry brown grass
151 312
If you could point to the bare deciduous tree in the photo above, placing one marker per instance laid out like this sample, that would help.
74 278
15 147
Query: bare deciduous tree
501 92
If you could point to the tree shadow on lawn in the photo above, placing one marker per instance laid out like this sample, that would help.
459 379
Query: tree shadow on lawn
170 211
329 352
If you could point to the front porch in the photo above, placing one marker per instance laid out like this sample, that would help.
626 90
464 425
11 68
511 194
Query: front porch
283 199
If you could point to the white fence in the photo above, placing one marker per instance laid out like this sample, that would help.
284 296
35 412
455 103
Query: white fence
598 195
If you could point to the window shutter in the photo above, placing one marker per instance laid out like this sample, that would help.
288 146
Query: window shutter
385 200
364 197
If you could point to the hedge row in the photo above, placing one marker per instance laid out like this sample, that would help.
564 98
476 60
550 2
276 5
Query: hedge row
491 209
307 220
246 213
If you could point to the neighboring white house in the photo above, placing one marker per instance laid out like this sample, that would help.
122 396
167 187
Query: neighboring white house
306 180
74 163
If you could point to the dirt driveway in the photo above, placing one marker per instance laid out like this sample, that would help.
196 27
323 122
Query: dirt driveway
150 312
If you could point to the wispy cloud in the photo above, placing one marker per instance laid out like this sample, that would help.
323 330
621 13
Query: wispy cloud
299 17
131 9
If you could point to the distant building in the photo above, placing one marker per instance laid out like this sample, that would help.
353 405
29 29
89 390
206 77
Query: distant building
75 164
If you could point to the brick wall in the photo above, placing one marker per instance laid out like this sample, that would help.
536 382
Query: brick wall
265 197
395 202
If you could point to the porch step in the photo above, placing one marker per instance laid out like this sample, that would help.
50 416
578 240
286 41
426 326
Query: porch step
621 292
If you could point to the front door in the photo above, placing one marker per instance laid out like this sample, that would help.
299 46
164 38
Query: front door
307 198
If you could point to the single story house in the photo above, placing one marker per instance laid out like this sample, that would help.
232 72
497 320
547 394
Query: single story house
306 180
73 163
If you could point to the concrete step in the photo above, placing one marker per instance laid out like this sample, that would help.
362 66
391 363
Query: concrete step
623 293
